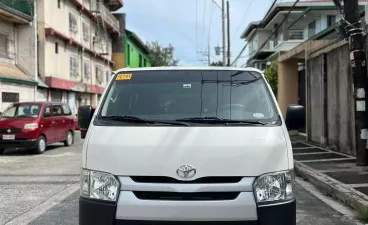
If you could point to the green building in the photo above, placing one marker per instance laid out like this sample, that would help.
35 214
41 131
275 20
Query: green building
136 52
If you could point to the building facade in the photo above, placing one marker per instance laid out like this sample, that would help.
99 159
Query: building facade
137 53
75 49
18 40
308 20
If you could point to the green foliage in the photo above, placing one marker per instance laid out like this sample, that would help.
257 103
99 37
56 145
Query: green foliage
271 74
161 56
219 63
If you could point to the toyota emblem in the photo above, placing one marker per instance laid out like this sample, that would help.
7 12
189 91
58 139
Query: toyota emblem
186 171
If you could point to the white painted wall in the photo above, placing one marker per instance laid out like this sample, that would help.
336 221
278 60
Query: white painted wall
26 93
41 95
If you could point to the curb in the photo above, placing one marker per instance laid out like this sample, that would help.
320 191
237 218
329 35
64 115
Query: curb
333 188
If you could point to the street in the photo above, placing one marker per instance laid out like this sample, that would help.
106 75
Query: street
43 189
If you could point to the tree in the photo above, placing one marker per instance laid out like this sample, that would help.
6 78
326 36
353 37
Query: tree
219 63
271 74
161 56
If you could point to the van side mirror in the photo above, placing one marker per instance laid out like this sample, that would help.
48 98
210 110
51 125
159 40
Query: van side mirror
295 117
85 114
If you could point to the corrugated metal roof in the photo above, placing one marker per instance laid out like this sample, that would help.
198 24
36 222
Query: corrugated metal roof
11 71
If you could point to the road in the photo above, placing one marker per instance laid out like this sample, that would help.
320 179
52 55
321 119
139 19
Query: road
43 190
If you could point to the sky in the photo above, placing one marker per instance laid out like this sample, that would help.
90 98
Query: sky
192 25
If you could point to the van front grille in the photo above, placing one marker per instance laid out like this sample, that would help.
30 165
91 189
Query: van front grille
12 130
170 180
197 196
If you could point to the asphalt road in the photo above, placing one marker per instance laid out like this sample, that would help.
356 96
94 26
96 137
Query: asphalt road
43 190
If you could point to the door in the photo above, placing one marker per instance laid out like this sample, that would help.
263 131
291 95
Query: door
47 125
57 120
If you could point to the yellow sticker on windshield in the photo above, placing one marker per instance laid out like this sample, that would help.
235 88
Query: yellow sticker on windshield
124 76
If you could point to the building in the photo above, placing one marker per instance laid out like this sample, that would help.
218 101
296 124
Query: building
75 39
309 20
137 53
18 65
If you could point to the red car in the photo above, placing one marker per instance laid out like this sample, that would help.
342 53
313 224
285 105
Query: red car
34 125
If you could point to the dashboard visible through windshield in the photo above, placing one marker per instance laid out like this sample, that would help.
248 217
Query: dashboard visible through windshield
181 95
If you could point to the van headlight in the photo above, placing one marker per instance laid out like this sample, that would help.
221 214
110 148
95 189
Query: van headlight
30 126
274 187
99 185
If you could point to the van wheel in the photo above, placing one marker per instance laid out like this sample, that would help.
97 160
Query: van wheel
40 145
69 139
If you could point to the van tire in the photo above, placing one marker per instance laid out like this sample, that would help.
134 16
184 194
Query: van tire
41 145
69 139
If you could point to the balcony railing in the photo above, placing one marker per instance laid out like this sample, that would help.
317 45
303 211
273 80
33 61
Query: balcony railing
23 6
106 15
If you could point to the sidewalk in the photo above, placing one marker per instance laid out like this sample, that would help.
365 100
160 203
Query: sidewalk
334 174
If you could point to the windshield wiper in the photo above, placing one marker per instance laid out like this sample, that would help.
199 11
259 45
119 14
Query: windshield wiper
133 119
214 120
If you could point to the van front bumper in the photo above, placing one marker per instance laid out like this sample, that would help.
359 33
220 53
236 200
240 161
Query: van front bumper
94 212
28 144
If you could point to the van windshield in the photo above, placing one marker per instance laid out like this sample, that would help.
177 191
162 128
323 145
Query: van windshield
22 110
174 95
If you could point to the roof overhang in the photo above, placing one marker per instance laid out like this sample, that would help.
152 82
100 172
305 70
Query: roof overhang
12 74
138 41
9 14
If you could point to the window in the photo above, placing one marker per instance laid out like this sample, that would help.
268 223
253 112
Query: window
4 39
56 110
128 55
99 75
331 20
73 70
145 63
312 29
23 110
56 48
47 112
9 97
73 24
87 69
140 60
59 3
85 28
67 110
171 95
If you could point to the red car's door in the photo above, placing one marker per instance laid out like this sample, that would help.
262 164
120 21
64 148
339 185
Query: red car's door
47 124
57 119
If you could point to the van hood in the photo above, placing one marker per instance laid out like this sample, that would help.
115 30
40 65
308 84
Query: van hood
18 122
212 151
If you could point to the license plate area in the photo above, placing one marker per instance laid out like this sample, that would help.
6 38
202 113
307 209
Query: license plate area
8 137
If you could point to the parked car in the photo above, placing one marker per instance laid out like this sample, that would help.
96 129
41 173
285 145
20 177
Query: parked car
34 125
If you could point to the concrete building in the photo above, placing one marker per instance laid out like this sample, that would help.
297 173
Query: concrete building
305 22
18 65
137 53
75 49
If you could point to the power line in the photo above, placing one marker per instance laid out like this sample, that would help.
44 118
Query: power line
241 21
204 27
246 45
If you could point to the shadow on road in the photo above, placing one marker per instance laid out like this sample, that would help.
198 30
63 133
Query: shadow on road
25 152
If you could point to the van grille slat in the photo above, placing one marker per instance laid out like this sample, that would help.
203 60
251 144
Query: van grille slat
170 180
197 196
12 130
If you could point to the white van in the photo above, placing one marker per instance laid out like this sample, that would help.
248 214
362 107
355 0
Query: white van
188 146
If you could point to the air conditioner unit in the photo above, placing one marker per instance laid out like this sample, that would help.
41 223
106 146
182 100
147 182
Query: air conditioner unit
96 39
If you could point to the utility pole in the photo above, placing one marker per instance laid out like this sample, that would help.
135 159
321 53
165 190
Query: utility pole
228 33
223 34
359 73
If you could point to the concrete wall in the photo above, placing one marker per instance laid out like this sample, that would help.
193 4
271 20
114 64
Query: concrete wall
338 107
26 93
7 28
26 50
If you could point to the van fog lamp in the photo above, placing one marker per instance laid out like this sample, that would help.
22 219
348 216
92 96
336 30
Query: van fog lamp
277 187
99 185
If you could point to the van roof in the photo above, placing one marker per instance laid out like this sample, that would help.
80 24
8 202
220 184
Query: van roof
188 68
